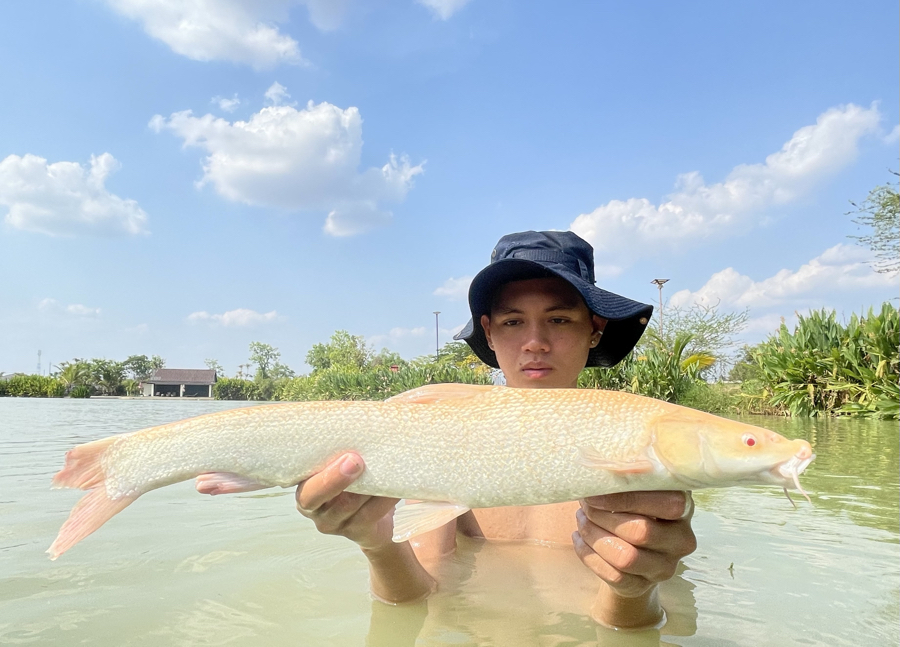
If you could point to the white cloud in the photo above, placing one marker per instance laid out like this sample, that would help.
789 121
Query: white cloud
842 268
300 160
620 230
326 15
207 30
767 324
397 335
894 136
355 218
454 289
54 307
277 94
443 9
228 105
65 198
239 318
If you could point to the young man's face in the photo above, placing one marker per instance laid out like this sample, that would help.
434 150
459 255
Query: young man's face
541 331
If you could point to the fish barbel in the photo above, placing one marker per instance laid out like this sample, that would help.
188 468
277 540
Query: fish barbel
452 446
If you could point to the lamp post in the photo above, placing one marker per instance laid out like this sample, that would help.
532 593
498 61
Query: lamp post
437 343
659 283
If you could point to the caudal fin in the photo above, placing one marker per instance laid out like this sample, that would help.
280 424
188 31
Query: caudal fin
92 511
84 470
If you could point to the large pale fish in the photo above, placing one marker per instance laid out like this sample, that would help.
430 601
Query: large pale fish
452 446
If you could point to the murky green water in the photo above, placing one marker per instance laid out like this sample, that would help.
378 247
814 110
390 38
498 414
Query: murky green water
178 568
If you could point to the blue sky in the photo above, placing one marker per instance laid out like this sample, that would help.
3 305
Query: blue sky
184 177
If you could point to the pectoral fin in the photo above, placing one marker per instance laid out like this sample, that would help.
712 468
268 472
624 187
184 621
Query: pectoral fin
590 457
411 519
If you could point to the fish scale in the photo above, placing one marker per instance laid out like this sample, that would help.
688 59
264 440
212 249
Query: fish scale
471 446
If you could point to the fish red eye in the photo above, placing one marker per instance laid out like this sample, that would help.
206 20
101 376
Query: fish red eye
749 440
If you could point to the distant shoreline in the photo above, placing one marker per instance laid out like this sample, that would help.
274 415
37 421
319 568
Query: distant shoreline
148 398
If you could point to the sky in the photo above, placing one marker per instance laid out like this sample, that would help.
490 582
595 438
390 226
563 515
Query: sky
182 178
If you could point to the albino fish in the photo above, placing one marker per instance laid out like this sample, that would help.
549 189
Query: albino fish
452 446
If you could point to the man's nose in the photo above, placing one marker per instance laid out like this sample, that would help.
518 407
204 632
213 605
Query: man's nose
536 340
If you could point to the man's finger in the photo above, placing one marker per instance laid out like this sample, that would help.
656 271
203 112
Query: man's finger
670 505
330 482
624 583
625 555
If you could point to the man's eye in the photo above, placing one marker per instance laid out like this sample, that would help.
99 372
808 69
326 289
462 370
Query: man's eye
558 320
511 322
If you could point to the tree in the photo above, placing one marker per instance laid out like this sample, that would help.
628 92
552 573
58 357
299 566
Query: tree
459 354
157 362
387 357
74 373
214 365
281 371
342 350
746 368
264 357
710 332
108 375
140 367
880 211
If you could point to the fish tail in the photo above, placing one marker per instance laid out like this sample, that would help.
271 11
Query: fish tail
84 470
93 510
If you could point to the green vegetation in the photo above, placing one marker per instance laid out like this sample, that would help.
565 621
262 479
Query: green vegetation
32 386
822 367
81 378
880 213
655 368
345 368
233 388
825 367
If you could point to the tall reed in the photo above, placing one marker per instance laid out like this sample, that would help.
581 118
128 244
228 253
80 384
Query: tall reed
825 367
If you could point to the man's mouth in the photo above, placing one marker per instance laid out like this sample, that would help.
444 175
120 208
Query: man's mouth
535 370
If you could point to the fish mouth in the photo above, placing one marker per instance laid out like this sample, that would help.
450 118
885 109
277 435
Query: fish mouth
790 470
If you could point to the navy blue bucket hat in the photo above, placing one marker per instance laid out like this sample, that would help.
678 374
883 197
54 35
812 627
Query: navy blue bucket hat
563 254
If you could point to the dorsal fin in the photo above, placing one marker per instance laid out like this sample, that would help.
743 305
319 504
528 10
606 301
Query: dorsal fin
431 393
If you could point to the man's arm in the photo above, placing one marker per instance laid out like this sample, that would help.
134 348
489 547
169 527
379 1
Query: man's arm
633 541
396 573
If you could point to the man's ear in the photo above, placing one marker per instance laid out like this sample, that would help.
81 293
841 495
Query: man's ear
486 324
598 323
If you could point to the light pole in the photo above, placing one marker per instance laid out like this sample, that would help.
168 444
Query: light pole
659 283
437 343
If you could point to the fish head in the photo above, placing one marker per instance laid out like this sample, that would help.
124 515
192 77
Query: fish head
703 450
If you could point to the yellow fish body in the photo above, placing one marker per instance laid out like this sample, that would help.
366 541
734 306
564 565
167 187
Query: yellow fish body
452 446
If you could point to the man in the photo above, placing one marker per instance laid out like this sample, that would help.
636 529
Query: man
537 315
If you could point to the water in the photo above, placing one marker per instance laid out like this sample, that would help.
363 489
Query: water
181 569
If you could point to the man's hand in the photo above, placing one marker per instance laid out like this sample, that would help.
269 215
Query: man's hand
366 520
634 540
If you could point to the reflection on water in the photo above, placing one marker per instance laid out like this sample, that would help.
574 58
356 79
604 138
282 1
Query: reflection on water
180 569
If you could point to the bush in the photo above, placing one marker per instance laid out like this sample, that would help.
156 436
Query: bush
227 388
80 391
377 383
826 367
717 397
33 386
654 369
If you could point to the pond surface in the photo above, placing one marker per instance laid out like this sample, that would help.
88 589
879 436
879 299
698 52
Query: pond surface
179 569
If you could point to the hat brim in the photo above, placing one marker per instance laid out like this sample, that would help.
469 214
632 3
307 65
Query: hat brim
626 319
